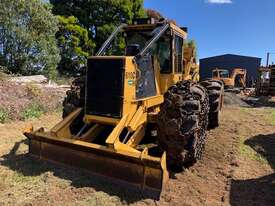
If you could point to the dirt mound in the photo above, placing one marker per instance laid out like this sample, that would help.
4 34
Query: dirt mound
15 98
234 99
247 99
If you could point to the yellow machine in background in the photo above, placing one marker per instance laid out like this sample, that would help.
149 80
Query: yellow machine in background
138 109
265 84
236 79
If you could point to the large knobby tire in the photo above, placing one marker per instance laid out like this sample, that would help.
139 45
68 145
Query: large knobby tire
182 123
215 89
75 98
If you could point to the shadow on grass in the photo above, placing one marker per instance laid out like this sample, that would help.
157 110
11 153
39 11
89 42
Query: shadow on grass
259 191
29 166
253 192
264 145
262 101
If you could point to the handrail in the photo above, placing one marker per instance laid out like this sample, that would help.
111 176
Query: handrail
153 40
111 37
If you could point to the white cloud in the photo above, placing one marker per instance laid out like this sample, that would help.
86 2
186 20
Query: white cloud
219 1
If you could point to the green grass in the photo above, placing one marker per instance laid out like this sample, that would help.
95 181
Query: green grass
100 198
244 109
250 153
32 111
4 116
18 177
270 116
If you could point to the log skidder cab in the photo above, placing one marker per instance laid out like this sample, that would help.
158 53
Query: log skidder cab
138 109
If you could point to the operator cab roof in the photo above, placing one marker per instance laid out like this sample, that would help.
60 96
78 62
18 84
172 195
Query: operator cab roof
148 24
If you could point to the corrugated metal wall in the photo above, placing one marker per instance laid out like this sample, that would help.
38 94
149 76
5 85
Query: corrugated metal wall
230 61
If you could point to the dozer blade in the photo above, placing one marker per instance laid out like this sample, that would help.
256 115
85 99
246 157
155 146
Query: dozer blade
144 172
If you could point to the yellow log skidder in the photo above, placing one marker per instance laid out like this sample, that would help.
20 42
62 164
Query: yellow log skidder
237 78
138 110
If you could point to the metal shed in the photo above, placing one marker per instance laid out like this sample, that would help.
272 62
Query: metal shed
230 61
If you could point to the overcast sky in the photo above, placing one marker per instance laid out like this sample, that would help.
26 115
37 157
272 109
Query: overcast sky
245 27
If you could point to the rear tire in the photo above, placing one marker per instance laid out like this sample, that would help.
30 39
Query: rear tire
182 123
215 89
75 97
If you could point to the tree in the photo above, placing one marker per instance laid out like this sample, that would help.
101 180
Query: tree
193 46
137 9
154 14
27 37
100 17
158 16
74 45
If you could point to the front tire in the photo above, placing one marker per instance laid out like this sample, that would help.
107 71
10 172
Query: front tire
182 123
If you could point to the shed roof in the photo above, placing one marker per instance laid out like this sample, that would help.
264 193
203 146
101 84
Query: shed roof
231 55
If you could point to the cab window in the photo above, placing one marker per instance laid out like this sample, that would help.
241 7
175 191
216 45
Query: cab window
215 74
163 53
224 74
178 58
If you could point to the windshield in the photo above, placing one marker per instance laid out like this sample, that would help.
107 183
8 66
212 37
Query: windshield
131 42
224 74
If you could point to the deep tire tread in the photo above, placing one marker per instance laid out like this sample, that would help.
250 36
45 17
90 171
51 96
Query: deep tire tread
75 98
215 90
182 123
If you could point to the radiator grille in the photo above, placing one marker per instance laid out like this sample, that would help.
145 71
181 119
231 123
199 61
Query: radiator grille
104 87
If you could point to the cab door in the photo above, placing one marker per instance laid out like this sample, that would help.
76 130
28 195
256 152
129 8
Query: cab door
178 65
165 57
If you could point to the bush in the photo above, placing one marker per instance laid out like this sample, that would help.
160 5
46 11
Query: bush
3 73
32 111
2 76
33 90
63 80
4 115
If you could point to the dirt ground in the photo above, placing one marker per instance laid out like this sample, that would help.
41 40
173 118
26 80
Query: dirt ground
237 168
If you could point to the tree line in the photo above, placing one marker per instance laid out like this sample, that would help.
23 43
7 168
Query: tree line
55 37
